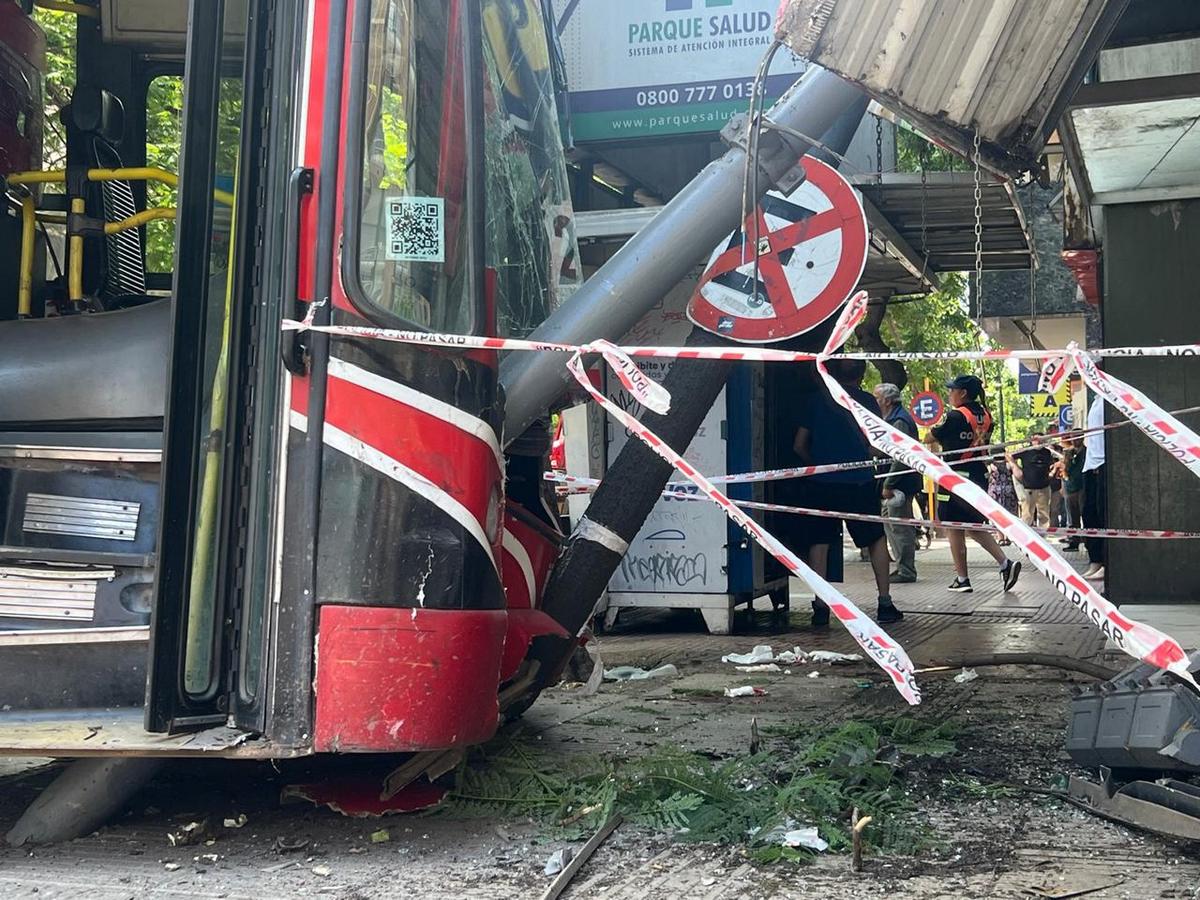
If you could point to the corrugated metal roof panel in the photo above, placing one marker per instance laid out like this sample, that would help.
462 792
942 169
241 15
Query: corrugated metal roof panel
1003 68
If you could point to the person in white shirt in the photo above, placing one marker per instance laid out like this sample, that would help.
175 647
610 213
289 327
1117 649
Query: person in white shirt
1095 493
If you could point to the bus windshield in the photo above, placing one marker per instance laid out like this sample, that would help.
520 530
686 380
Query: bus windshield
413 259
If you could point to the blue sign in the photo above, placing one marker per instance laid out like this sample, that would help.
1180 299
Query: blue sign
1066 417
1027 378
926 408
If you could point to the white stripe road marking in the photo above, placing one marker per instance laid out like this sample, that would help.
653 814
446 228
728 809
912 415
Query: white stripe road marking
517 551
397 471
461 420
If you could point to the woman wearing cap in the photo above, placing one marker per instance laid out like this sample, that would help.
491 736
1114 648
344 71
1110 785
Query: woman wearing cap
967 425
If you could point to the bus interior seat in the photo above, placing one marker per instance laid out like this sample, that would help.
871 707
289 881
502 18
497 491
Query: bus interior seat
94 121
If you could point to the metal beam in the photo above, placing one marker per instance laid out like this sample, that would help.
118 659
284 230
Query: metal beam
613 224
656 258
1147 195
899 248
1136 90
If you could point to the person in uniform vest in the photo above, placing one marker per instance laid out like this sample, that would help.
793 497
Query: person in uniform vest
968 424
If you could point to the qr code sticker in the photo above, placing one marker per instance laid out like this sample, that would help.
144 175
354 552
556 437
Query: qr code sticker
416 229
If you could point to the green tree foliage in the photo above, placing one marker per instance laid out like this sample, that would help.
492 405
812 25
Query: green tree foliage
60 80
394 125
164 128
164 136
911 147
937 321
941 321
806 777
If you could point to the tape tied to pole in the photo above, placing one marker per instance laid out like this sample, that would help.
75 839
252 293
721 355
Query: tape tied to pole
1141 641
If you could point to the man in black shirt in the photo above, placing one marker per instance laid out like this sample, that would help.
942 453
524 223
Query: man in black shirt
967 425
1032 467
827 433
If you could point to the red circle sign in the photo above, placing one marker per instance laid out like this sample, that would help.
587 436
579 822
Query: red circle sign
926 408
812 251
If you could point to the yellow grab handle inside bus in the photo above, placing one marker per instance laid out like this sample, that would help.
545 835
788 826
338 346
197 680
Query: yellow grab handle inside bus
137 220
25 286
132 173
75 262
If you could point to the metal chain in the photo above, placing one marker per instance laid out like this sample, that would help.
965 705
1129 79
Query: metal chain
924 223
979 261
978 235
1032 274
879 146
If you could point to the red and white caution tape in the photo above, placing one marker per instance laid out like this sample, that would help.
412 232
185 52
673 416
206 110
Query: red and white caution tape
575 485
738 478
729 354
1143 534
640 386
1138 640
1161 427
993 451
888 654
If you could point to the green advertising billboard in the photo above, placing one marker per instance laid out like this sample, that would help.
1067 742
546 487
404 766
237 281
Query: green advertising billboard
655 68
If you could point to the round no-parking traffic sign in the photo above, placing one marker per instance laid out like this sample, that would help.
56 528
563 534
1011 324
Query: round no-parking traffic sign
812 250
926 408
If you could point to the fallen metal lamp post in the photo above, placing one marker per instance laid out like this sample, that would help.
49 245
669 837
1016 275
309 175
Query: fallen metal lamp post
636 478
655 259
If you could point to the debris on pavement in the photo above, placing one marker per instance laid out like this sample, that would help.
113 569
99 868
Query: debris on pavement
186 835
585 852
790 834
558 861
171 866
236 822
765 667
1061 893
829 656
814 674
857 826
283 845
806 838
762 653
966 676
433 764
382 836
323 871
748 690
585 669
634 673
279 867
596 676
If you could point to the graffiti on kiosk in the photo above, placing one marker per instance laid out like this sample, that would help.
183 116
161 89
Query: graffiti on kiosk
666 569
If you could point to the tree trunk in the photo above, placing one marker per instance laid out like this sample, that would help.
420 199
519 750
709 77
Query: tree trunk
890 370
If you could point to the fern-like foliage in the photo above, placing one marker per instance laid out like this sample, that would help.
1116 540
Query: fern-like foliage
813 779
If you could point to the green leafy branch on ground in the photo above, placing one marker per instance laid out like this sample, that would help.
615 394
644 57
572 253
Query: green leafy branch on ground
806 778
